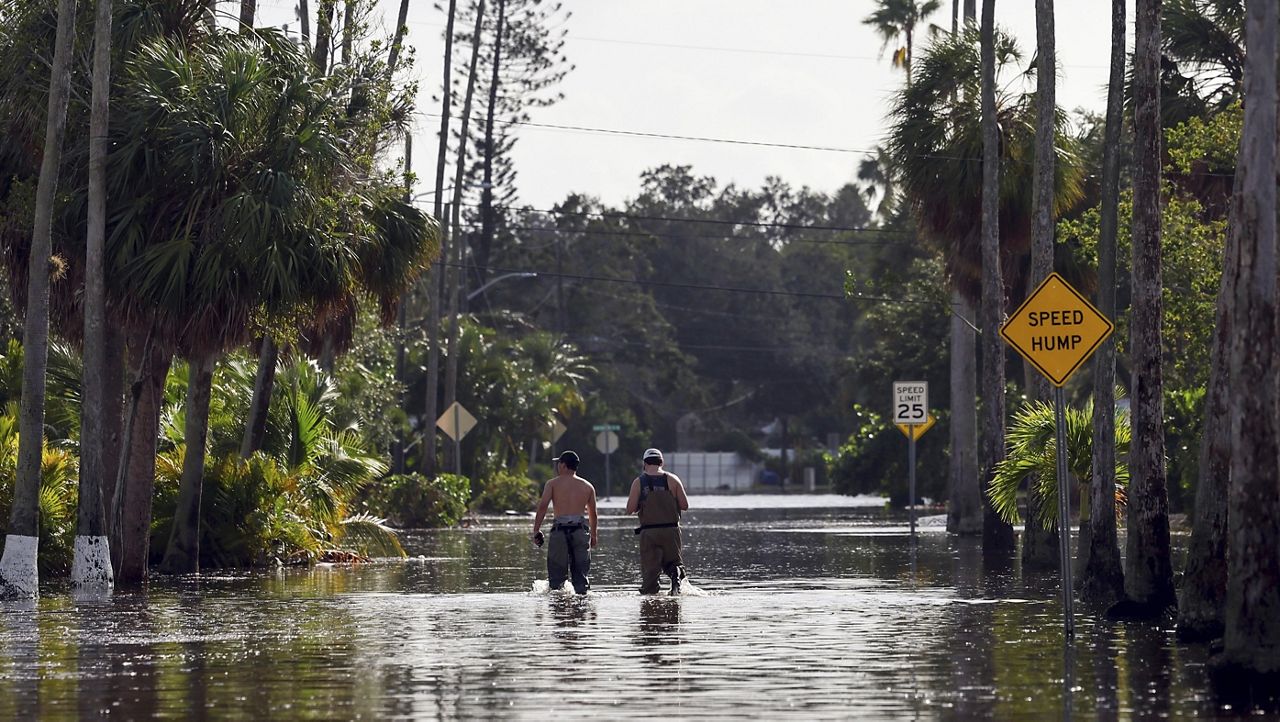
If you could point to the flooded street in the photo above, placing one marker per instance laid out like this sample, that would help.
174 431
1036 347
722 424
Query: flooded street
794 612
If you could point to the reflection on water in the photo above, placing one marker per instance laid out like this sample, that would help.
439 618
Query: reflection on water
802 613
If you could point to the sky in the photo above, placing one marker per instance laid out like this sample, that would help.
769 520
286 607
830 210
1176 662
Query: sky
801 73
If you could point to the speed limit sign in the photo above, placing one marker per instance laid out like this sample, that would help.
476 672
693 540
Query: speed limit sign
910 402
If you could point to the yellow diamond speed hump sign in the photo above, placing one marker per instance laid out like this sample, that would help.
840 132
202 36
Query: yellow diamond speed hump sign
1056 329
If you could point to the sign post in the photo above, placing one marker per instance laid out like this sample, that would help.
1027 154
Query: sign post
607 443
1057 330
911 410
456 421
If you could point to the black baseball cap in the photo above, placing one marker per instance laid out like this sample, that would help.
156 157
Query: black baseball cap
569 458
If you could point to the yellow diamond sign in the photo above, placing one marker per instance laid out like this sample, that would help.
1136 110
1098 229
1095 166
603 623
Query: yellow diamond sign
1056 329
915 431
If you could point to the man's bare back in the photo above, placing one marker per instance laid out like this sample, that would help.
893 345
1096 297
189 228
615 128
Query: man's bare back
569 495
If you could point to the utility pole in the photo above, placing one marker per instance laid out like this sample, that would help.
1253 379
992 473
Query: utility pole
397 447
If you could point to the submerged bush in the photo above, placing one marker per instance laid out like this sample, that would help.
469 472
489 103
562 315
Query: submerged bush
412 501
505 491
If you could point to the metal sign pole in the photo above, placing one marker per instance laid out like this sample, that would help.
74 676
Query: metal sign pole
1064 507
911 490
457 441
608 453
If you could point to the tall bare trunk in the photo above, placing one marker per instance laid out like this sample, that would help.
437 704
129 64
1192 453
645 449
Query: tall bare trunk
348 29
1148 566
248 11
455 284
113 440
487 221
435 277
1102 578
131 509
964 513
955 16
1039 545
91 565
18 576
264 381
397 42
1251 639
970 10
183 554
324 35
997 534
304 22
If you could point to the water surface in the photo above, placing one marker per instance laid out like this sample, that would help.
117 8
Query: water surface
795 613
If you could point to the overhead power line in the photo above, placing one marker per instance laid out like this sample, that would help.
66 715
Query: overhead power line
707 236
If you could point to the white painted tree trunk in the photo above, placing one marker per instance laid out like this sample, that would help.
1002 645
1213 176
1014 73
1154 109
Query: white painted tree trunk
91 566
18 575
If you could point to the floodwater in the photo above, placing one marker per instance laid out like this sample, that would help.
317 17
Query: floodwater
793 613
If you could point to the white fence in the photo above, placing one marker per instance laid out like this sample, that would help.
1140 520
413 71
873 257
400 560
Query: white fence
705 472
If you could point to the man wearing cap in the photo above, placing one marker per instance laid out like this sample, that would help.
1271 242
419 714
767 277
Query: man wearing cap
658 497
569 550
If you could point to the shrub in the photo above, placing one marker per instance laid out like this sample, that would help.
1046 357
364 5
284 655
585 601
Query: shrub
414 501
506 491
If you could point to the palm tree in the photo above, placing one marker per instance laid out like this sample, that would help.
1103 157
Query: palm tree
1033 458
1102 578
18 575
92 571
934 137
1040 547
1148 565
997 534
1252 631
894 19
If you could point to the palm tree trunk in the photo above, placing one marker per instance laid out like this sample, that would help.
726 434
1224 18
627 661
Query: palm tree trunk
964 514
113 440
91 564
1040 546
248 9
955 16
1148 567
18 575
135 484
435 274
970 10
487 221
454 278
183 554
1251 639
1102 578
1204 578
997 534
255 428
397 43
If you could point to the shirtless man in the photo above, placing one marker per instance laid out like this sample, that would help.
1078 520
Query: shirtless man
569 551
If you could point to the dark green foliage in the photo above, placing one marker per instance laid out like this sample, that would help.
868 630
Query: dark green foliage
412 501
506 492
874 459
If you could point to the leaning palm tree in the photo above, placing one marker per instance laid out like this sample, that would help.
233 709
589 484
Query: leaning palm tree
895 20
18 575
934 138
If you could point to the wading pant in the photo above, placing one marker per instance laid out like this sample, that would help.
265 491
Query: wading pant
659 553
569 556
